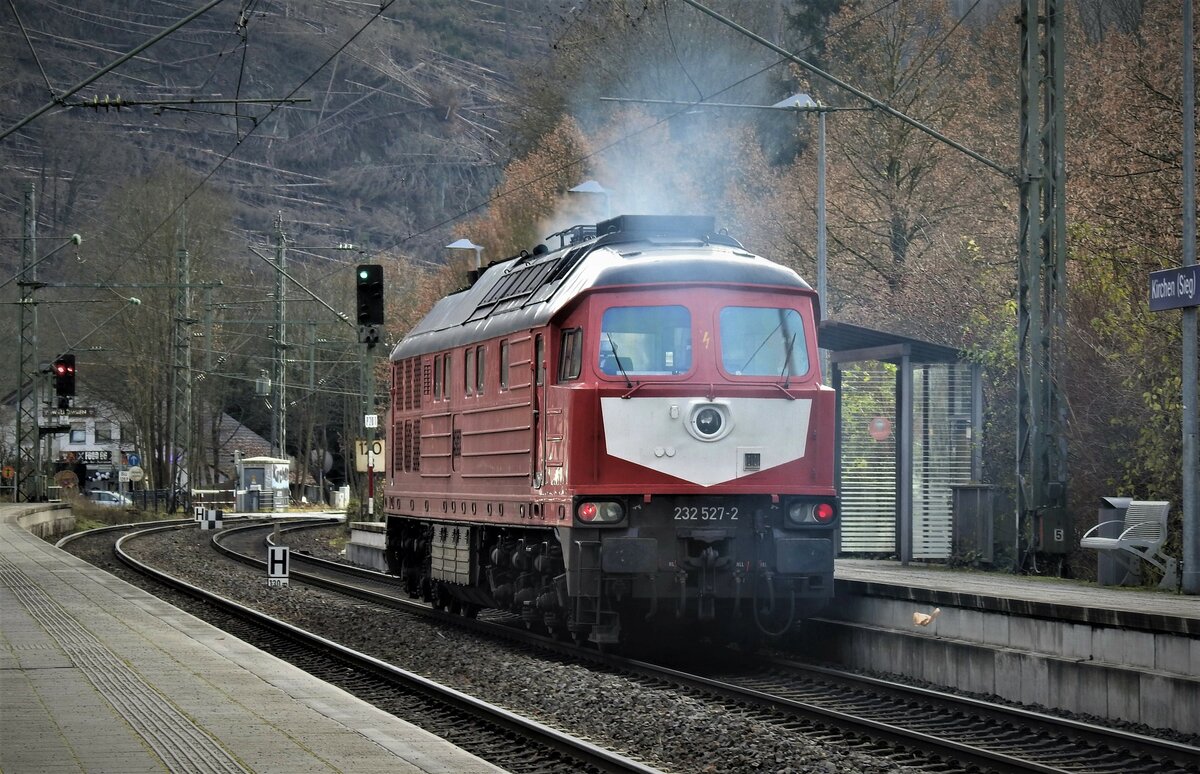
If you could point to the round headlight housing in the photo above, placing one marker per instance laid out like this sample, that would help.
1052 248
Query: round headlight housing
709 421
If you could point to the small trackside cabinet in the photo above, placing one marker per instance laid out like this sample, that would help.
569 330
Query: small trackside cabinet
1055 534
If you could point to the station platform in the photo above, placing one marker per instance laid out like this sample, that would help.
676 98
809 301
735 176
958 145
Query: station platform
1120 653
97 675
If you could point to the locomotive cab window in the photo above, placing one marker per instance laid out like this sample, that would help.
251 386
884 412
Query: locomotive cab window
468 371
504 365
539 360
480 370
571 357
645 340
763 341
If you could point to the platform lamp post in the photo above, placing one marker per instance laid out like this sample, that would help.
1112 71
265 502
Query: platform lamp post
467 244
804 103
799 103
592 187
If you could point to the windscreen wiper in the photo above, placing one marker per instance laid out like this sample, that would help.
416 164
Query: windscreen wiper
787 363
758 349
617 357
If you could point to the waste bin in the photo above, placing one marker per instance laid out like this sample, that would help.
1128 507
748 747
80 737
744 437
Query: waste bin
1111 569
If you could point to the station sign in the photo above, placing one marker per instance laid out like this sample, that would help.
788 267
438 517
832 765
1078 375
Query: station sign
1175 288
73 411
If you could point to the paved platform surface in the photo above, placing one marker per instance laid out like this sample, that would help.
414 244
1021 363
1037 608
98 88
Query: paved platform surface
1040 597
97 675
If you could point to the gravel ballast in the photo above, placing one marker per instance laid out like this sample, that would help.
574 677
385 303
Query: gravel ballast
659 726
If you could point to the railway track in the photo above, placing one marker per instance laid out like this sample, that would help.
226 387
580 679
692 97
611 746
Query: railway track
917 726
908 726
494 734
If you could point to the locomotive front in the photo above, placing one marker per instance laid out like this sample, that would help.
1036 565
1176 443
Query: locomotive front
679 463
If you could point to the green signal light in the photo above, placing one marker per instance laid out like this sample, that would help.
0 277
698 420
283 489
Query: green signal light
362 273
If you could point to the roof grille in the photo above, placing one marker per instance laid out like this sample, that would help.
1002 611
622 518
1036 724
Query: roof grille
641 226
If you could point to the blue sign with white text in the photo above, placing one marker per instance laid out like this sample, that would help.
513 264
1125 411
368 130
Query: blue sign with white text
1174 288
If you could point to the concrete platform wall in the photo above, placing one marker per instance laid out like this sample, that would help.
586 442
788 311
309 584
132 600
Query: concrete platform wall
1123 674
43 519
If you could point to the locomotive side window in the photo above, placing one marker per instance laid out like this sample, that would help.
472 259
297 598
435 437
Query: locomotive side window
468 371
446 377
539 359
504 365
437 377
480 369
647 340
763 341
571 358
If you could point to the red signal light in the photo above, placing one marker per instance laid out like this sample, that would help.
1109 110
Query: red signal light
588 511
823 513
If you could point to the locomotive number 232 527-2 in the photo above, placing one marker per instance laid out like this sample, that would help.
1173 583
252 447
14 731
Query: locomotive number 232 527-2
705 513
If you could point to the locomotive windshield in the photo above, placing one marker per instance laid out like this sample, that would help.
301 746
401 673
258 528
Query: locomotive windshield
763 341
646 339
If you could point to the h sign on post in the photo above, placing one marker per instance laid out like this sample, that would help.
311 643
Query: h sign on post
277 565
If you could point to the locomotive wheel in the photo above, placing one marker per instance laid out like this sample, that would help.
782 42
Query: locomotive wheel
469 610
441 598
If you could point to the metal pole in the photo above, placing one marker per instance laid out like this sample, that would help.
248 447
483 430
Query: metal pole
279 418
180 446
821 256
28 479
1191 453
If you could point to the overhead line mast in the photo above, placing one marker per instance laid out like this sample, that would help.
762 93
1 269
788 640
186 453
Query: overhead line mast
1042 520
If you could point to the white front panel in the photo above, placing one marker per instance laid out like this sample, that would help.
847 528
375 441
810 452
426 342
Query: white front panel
661 434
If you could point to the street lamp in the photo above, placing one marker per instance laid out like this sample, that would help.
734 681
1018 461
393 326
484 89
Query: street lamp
467 244
592 187
804 103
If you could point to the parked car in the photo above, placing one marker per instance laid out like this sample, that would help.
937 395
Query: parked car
108 499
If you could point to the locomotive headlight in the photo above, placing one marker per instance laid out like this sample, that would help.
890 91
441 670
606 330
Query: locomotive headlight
600 512
709 421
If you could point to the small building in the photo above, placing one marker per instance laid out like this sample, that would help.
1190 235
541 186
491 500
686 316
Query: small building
263 484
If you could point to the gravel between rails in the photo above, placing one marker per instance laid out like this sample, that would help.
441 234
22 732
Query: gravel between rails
658 726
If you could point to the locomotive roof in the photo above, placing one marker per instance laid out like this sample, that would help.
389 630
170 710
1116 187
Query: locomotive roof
527 291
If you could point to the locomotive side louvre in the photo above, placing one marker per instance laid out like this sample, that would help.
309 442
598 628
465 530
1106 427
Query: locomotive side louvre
628 427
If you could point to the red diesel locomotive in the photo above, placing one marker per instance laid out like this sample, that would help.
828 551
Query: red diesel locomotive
625 431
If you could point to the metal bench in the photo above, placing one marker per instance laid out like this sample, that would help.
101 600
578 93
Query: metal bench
1143 533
